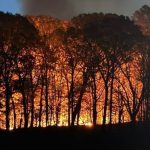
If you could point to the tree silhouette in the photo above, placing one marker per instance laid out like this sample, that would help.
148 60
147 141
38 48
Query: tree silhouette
15 35
115 35
54 72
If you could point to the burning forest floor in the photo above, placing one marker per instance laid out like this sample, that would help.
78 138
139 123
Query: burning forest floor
117 137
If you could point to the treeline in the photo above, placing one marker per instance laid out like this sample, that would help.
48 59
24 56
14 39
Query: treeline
94 69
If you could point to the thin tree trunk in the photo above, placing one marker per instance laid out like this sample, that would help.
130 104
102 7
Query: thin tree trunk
94 102
7 95
72 93
32 109
58 108
69 110
40 112
46 102
111 99
46 96
120 111
78 105
25 110
78 117
14 112
105 103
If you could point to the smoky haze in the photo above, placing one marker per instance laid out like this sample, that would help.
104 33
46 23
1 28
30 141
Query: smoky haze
66 9
63 9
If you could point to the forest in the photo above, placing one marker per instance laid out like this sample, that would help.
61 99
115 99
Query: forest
91 70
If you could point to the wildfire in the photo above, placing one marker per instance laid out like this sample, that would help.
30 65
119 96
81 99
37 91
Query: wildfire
89 124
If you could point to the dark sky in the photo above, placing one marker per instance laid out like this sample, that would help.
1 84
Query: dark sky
65 9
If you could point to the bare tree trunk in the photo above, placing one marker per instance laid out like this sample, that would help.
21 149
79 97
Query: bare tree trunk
69 103
72 110
46 102
58 107
78 117
72 91
46 96
77 109
7 95
32 109
120 109
111 99
25 108
105 103
40 112
14 112
94 102
52 111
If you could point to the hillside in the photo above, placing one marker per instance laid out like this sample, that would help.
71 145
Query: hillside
122 137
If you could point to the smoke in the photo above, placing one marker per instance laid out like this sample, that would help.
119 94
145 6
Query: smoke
66 9
62 9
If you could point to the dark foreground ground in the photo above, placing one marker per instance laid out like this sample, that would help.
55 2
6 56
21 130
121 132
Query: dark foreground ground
124 137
